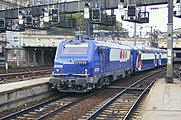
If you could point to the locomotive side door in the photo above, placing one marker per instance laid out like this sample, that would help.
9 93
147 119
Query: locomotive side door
104 58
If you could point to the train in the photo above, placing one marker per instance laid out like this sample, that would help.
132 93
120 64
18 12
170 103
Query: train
84 65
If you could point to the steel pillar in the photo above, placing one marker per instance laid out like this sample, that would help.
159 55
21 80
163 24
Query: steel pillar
169 78
134 33
151 37
88 27
113 27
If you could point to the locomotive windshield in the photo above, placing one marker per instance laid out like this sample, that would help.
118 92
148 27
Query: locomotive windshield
80 48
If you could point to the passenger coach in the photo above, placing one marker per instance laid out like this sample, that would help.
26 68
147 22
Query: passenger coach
145 58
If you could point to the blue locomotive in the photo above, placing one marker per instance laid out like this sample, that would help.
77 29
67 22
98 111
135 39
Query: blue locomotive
84 65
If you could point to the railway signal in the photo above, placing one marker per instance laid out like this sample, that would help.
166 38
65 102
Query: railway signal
55 15
45 15
131 10
20 17
29 18
2 23
96 14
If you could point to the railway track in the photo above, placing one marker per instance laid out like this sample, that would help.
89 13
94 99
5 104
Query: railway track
78 106
45 109
24 69
30 113
19 74
122 104
177 71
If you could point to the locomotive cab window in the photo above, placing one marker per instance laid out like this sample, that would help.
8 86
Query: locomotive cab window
80 48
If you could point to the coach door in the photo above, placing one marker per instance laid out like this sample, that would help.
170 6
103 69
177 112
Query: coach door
159 59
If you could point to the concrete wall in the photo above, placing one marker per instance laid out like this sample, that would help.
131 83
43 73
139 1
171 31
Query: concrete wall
16 44
128 41
40 39
16 57
13 99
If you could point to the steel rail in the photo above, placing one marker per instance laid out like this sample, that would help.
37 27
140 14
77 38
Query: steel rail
139 98
26 98
98 111
20 113
60 108
177 73
21 73
68 105
23 69
13 115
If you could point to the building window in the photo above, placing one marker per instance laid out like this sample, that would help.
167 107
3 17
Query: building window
15 37
15 40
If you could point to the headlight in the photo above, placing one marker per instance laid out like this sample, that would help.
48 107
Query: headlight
57 70
86 71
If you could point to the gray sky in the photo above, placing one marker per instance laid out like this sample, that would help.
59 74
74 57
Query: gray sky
158 19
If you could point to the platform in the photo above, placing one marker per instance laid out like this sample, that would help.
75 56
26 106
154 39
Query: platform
22 84
17 94
163 102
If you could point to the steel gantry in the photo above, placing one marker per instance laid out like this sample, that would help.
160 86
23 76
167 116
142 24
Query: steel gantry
78 6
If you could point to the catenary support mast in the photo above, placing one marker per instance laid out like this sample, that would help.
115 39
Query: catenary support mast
169 77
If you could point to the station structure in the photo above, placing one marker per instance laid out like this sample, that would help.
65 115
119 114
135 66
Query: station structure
30 48
43 14
21 52
34 47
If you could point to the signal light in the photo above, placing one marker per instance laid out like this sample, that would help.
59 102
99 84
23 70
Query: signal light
55 15
96 14
131 10
2 23
29 20
54 11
